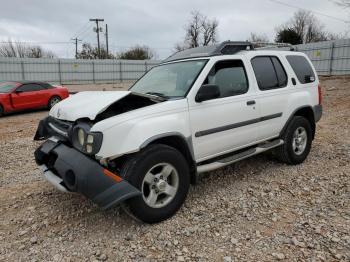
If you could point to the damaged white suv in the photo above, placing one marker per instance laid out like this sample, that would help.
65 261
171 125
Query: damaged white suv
199 110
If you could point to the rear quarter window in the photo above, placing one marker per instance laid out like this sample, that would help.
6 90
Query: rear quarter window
301 68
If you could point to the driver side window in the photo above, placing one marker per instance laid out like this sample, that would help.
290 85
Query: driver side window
230 77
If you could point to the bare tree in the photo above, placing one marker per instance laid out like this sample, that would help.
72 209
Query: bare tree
306 26
260 40
19 49
200 31
254 37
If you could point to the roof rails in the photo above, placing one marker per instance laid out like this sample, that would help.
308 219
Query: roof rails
225 48
269 45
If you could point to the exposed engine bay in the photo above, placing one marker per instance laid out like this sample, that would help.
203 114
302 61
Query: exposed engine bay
126 104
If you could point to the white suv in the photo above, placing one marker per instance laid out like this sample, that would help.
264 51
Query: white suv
199 110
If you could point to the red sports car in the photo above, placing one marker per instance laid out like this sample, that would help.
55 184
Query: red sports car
18 96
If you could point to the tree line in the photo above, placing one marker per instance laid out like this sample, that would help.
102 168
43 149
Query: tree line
302 28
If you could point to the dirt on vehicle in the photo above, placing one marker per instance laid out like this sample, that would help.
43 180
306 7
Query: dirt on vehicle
254 210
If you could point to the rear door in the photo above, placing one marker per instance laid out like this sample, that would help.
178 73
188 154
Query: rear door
273 91
27 96
226 123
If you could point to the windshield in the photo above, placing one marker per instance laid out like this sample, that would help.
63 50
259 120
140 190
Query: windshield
7 87
169 80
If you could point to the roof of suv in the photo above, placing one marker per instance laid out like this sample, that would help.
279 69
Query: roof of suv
225 48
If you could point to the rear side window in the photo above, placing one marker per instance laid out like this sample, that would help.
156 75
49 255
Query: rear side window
269 72
301 68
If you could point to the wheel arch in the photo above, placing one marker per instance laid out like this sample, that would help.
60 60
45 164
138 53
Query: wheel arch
181 143
304 111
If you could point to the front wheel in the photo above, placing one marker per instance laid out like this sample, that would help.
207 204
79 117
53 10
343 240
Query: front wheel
297 141
161 173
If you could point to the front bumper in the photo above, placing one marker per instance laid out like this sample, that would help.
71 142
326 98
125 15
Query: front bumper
71 171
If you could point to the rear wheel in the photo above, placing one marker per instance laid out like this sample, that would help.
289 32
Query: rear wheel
162 175
297 141
53 101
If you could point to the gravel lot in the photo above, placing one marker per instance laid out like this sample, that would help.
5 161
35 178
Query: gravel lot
255 210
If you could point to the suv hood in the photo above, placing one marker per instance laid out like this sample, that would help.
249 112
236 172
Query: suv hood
86 104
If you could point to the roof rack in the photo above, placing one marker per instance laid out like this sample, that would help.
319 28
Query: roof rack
225 48
269 45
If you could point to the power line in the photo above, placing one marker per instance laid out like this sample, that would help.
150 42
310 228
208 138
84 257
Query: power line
92 44
34 42
313 11
84 32
87 35
79 31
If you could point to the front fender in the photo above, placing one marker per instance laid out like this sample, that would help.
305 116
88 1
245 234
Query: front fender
132 135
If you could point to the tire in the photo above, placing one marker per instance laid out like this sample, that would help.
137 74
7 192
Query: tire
151 163
295 149
1 111
53 101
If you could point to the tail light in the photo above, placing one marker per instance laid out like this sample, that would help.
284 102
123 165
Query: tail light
319 95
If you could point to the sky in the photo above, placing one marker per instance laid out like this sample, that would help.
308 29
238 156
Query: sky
158 24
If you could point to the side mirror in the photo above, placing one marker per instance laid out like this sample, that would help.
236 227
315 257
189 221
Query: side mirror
207 92
309 79
18 91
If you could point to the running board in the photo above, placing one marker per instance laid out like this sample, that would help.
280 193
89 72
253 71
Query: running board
239 156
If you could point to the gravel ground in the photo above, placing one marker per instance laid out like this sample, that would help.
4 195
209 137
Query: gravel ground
255 210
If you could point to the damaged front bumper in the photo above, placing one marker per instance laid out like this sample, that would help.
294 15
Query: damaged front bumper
71 171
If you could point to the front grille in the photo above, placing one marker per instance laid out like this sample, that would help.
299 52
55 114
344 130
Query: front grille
59 127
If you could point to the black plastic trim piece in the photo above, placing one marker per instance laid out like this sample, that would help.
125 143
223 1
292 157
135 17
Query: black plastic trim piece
317 112
294 112
238 156
236 125
87 175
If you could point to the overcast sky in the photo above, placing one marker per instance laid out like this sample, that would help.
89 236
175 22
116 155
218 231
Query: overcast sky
157 23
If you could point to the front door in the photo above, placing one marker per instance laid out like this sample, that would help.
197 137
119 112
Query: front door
228 122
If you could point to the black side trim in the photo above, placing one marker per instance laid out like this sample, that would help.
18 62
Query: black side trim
236 125
317 112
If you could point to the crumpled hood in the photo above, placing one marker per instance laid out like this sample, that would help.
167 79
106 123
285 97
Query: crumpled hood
86 104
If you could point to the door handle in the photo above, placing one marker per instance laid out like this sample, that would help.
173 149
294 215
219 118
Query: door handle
250 102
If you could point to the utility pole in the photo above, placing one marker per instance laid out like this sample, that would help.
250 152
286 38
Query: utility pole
106 34
98 29
76 40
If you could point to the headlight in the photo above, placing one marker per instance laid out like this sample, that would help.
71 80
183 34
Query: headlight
84 140
81 136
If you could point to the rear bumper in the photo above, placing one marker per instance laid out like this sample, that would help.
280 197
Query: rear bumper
71 171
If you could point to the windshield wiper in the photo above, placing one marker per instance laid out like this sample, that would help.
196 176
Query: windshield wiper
158 95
